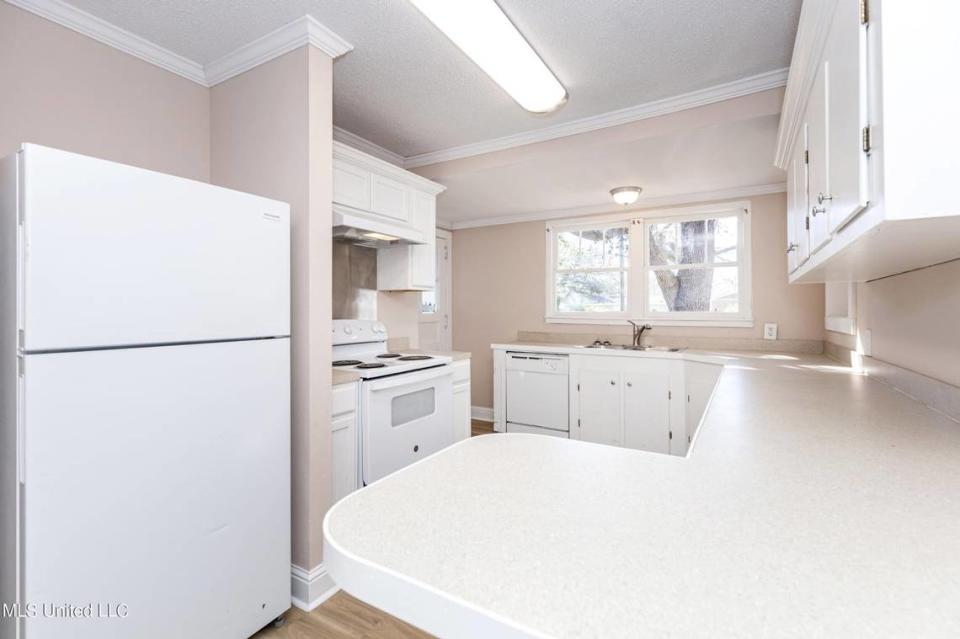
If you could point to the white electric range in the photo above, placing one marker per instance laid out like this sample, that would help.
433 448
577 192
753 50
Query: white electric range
405 400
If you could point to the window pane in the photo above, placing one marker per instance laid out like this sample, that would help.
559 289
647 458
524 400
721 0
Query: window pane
428 302
694 290
601 248
693 242
591 292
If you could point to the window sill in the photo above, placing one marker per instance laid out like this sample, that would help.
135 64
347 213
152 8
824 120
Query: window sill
661 321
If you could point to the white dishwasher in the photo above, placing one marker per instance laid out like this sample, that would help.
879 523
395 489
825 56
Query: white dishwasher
538 389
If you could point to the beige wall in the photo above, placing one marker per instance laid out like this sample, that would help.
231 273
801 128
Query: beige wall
499 279
914 321
272 135
68 91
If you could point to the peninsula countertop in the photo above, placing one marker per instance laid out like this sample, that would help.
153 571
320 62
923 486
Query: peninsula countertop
816 503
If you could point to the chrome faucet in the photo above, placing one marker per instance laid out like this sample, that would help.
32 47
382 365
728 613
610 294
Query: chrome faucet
638 330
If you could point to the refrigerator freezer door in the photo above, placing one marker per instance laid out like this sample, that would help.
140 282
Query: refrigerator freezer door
116 255
158 486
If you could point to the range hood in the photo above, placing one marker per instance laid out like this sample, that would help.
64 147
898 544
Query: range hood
354 226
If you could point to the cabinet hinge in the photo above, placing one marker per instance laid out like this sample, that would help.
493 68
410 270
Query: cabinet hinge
864 11
688 399
866 139
671 434
806 221
578 422
669 394
806 157
20 366
21 338
578 388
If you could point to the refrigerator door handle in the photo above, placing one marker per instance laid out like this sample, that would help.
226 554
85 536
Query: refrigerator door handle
21 435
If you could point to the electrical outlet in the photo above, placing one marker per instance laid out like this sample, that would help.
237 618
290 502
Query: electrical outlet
770 331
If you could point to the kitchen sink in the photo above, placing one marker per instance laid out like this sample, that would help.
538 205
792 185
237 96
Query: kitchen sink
629 347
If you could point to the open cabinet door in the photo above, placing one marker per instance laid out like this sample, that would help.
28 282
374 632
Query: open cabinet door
157 487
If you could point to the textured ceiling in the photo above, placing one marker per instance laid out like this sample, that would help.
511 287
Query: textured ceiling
409 89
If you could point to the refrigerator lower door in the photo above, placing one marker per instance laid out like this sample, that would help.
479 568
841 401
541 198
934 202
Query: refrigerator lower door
157 490
120 256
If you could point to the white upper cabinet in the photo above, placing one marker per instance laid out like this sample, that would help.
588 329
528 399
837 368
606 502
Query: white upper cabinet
798 211
867 100
381 200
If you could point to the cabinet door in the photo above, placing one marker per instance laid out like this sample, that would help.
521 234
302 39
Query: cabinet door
423 257
646 409
798 235
351 185
600 418
847 113
389 198
344 454
818 132
461 400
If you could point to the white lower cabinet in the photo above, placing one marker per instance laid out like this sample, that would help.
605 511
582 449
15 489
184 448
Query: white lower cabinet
461 399
343 426
626 401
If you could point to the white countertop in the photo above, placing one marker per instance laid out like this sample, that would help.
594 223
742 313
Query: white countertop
816 503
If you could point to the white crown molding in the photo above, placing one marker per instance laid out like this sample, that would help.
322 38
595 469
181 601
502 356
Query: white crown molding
644 204
102 31
735 89
815 18
365 145
302 31
310 588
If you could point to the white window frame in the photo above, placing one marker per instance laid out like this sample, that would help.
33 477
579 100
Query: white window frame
637 303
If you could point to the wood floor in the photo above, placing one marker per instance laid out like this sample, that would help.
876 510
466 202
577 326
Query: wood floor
343 617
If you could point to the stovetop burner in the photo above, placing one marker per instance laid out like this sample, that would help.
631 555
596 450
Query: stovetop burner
388 355
347 362
372 365
414 358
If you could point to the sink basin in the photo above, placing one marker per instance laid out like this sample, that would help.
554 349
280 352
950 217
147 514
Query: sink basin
628 347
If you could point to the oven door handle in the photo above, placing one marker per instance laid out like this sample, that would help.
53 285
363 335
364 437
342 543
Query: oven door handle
406 379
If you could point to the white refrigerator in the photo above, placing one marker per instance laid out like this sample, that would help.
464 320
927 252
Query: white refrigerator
145 386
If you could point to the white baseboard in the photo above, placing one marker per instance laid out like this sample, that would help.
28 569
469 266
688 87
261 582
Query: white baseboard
310 588
481 413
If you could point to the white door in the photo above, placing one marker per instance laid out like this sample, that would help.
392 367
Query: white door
600 415
405 418
117 255
158 478
436 305
646 409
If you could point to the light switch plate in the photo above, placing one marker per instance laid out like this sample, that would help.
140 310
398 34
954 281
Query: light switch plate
770 331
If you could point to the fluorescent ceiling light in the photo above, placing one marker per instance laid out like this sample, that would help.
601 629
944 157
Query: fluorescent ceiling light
487 36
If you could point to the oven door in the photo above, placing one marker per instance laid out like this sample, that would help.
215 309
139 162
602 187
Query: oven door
404 418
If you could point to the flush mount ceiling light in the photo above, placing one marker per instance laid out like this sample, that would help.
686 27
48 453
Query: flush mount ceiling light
487 36
625 195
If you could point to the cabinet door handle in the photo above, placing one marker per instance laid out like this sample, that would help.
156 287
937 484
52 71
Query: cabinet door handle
629 384
792 247
613 383
821 198
818 209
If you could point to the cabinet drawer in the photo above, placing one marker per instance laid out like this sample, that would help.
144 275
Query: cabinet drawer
461 371
344 399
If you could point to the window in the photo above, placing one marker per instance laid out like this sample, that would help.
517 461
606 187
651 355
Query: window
684 266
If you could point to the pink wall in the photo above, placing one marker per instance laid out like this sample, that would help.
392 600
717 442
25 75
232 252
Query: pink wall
913 321
65 90
272 135
499 289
